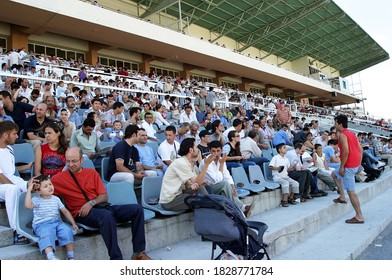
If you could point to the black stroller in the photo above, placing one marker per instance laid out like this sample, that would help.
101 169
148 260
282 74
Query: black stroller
218 219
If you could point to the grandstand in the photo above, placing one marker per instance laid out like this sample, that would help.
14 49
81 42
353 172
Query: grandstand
299 51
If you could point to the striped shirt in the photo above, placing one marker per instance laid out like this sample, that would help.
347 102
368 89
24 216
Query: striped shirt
46 209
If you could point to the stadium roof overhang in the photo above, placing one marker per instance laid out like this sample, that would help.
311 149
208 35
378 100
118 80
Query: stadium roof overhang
289 29
95 28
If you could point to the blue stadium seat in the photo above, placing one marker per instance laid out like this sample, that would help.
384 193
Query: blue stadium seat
120 193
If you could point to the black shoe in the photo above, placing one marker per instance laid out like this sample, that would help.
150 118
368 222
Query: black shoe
292 201
323 193
316 194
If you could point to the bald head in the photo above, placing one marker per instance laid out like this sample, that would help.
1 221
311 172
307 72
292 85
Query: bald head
73 152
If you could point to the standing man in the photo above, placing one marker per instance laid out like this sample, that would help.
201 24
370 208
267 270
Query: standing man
351 158
106 219
200 105
283 115
248 105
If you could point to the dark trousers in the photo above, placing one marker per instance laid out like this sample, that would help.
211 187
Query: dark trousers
304 178
107 219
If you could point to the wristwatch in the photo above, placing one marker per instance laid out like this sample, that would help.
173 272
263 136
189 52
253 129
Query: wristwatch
92 203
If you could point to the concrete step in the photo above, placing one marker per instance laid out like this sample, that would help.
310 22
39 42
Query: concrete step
6 237
160 232
297 224
341 241
287 227
3 216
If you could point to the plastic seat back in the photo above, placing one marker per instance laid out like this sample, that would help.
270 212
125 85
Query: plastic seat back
24 153
120 193
104 169
267 154
256 176
267 172
24 218
160 136
241 180
151 190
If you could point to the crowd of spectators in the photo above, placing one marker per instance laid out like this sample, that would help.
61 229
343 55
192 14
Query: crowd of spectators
77 112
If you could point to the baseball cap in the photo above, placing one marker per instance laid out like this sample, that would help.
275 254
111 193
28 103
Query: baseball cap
203 133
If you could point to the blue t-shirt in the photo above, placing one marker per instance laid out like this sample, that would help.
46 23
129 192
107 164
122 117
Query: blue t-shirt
281 138
129 154
330 152
146 155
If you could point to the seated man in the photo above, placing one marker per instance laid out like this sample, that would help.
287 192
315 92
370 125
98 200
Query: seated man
331 152
147 125
182 132
205 139
250 151
182 178
219 180
124 162
168 149
33 125
302 174
281 137
68 184
10 185
147 156
87 140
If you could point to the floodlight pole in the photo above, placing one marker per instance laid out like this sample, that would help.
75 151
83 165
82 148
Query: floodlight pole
180 14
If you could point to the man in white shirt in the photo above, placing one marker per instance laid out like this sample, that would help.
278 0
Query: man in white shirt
250 151
188 115
11 185
168 149
147 124
219 180
322 139
307 185
24 90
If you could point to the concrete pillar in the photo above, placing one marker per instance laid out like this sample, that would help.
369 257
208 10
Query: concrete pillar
17 39
92 54
185 74
144 66
245 86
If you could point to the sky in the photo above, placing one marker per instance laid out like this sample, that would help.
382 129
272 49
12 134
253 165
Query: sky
375 18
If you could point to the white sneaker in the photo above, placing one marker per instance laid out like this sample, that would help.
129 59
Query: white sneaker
54 259
380 164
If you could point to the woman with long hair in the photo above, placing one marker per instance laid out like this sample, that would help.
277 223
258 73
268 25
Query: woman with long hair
233 151
50 157
68 127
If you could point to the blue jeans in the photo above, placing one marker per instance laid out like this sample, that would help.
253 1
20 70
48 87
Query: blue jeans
107 219
51 230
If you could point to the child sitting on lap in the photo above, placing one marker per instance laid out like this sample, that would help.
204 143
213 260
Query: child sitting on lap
47 224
